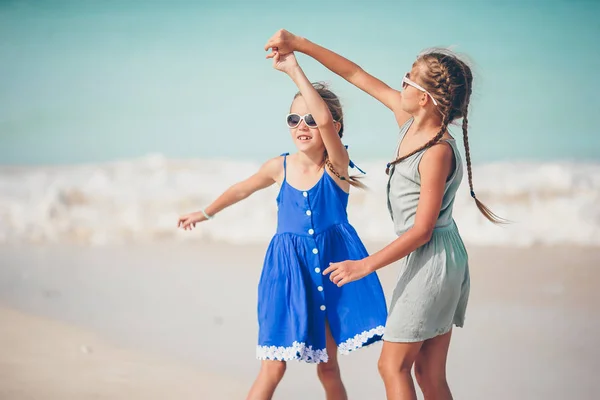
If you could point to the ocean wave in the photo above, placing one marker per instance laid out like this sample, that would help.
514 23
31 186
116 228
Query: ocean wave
140 200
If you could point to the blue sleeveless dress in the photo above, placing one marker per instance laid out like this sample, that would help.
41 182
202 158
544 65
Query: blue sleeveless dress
295 300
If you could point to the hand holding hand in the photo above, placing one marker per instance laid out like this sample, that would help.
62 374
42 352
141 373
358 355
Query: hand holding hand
282 42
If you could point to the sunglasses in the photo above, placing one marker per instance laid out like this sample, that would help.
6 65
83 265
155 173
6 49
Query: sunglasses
293 120
406 82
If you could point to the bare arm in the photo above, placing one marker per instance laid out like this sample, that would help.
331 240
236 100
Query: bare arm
265 177
319 110
434 168
285 42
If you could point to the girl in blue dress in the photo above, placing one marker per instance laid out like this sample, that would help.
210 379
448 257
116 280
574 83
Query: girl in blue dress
302 315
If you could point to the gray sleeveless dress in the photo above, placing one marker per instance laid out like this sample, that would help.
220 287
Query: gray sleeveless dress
433 285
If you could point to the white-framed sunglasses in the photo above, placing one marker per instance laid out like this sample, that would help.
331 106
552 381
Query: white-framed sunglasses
293 120
406 81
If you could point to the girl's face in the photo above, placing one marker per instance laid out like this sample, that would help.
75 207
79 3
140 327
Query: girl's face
305 133
414 96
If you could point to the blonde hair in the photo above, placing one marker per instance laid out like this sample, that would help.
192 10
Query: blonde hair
450 82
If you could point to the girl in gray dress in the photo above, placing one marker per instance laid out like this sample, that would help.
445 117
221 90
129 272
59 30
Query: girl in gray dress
433 286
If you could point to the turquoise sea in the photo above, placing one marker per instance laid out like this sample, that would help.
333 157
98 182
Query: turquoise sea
88 81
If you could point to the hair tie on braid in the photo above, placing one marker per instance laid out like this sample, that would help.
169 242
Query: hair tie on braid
352 180
472 194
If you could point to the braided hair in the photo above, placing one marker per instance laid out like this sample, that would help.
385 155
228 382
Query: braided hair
450 80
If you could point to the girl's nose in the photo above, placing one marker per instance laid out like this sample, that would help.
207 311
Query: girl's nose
302 125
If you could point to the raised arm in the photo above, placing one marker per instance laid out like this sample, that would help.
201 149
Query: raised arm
318 108
285 42
265 177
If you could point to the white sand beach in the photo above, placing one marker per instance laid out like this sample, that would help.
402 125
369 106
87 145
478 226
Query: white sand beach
178 320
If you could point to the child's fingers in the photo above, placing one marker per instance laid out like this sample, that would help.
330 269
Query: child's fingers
331 267
270 44
336 276
343 281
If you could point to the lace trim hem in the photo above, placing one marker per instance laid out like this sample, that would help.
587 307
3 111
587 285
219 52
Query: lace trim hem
301 352
297 351
360 339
